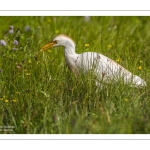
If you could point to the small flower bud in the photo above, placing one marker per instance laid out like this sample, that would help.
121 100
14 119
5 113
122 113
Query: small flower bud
11 27
2 43
15 42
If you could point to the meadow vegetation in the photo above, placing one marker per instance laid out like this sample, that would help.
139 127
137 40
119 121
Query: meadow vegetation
38 93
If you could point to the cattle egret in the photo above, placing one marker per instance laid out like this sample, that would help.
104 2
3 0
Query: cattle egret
104 68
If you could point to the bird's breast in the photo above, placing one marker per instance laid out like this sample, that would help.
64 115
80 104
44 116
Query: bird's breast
71 63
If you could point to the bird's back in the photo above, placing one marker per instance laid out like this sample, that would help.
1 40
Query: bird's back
105 68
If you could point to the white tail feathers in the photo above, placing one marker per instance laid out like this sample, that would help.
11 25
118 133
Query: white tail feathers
134 81
138 82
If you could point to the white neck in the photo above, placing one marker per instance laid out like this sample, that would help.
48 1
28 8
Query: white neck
69 50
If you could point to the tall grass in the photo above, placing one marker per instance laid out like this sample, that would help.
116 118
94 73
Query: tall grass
38 94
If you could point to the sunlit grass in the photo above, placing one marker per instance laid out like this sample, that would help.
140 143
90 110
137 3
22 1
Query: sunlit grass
38 94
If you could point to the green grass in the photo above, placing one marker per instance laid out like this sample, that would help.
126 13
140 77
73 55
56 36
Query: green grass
38 94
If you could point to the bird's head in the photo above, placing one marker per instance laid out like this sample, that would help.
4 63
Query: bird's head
60 40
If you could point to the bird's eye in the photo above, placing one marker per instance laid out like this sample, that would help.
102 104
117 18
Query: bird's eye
55 41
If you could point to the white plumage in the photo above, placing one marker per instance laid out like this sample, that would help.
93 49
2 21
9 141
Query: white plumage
104 68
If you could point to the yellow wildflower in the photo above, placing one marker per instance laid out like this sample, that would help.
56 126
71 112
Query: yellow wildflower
14 100
6 100
49 51
29 61
32 36
109 46
140 68
118 60
86 45
28 74
57 31
141 61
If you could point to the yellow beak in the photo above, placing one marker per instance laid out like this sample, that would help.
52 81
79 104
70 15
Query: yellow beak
47 46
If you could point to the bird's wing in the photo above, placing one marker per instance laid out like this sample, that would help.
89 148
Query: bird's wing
101 65
106 69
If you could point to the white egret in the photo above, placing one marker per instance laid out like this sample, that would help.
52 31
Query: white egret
104 68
